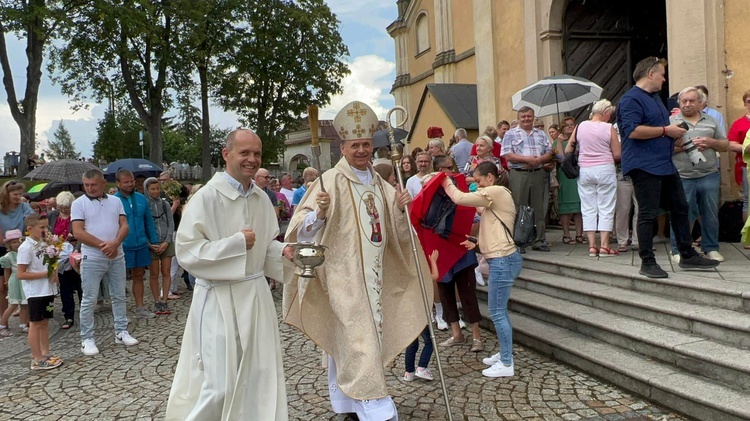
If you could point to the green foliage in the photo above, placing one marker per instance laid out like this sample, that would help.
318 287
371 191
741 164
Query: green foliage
122 47
118 136
283 56
61 147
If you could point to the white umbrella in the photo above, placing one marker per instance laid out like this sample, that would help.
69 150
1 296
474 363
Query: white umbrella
556 94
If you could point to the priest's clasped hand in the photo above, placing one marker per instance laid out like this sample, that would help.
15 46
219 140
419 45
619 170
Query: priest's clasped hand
403 198
288 252
249 238
324 201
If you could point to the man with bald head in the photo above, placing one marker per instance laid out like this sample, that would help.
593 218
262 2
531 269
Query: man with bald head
230 363
262 177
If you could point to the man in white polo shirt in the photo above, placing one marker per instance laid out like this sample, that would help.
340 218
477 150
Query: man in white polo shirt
99 223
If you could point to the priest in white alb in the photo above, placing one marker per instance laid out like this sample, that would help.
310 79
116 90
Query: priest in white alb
365 305
230 364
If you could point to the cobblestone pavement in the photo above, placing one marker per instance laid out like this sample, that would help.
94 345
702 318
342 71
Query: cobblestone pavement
134 383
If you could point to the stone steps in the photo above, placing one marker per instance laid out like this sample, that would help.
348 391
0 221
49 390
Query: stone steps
728 326
683 342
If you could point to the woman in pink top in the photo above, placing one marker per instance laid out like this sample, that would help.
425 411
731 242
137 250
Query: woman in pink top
599 148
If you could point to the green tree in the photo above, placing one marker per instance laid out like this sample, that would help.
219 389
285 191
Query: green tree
283 56
61 147
203 26
118 136
34 21
123 46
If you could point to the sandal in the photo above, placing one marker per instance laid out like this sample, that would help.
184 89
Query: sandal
567 240
593 252
607 252
68 324
581 240
623 248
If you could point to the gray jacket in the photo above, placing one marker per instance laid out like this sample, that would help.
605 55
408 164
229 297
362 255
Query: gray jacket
163 219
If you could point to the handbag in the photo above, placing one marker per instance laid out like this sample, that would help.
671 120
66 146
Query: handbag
569 164
524 228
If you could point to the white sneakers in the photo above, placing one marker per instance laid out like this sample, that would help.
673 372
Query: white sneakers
88 347
441 324
676 258
491 360
497 368
124 338
422 373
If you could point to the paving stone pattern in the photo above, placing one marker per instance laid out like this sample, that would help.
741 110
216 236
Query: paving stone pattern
133 383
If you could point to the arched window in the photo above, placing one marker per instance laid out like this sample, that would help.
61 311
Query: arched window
423 33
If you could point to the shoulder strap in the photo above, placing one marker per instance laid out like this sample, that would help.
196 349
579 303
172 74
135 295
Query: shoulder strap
507 230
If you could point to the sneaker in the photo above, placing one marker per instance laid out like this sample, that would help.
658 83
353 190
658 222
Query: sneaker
653 270
5 332
491 360
698 262
441 324
23 328
499 370
714 255
45 364
124 338
143 313
424 373
88 347
676 258
165 308
408 377
479 277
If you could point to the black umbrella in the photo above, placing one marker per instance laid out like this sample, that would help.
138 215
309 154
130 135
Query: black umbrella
62 170
137 166
381 139
53 189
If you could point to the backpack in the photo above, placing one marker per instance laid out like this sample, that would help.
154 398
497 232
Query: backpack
524 229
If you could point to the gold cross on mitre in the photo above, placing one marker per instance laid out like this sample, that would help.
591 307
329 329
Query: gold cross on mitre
356 112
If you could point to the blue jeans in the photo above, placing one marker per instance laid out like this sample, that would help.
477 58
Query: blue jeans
503 272
93 272
702 195
424 357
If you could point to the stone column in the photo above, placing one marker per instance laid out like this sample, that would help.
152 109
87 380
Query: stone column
484 50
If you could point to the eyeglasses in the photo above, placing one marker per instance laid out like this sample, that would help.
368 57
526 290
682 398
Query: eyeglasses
267 177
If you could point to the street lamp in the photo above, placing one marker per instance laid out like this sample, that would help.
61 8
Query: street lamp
140 137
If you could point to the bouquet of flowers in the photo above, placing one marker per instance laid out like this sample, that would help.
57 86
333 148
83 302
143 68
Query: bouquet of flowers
172 189
48 249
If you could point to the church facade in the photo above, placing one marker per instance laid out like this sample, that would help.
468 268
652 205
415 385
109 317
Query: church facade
500 46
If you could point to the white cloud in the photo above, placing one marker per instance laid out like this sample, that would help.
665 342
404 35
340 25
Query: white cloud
370 76
372 13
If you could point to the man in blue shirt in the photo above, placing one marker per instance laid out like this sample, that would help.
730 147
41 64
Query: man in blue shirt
647 145
141 235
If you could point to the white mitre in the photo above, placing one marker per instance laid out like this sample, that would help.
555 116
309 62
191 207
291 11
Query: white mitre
356 121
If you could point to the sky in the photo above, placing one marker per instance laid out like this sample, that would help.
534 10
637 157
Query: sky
371 62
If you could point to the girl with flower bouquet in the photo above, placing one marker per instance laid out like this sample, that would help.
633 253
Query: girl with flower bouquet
37 269
16 299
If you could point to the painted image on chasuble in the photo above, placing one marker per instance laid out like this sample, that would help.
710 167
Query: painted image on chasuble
370 207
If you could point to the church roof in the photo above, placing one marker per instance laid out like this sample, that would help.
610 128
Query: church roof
458 100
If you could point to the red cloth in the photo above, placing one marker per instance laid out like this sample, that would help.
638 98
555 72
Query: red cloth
496 149
737 134
451 250
62 227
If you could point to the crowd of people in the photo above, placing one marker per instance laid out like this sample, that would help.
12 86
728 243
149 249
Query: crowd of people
364 307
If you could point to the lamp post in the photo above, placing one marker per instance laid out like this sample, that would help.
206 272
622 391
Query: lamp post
140 138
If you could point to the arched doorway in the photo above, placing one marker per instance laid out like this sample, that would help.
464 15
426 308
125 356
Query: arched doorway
297 164
604 39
